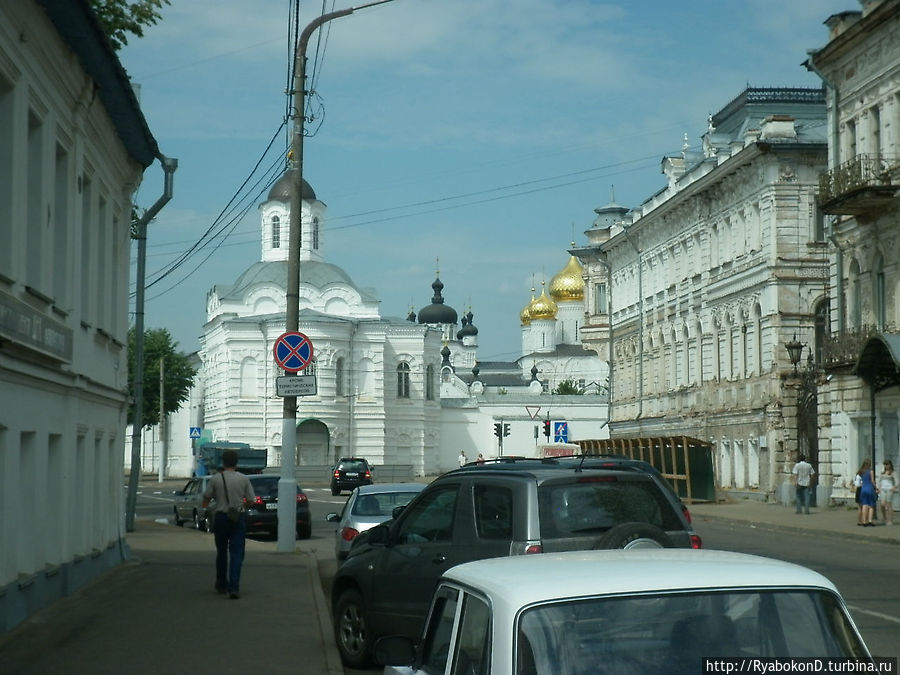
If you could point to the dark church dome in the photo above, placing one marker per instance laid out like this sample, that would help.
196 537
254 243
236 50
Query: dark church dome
281 190
437 311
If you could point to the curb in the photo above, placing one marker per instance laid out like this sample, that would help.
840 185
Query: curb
332 657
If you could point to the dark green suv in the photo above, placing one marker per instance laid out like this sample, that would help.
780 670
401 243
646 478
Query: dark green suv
487 511
349 473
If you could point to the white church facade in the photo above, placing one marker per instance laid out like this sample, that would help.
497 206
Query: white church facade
407 393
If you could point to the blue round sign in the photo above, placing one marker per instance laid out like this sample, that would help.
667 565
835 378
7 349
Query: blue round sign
293 351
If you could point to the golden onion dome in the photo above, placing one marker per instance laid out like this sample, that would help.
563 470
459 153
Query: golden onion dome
543 307
568 285
525 314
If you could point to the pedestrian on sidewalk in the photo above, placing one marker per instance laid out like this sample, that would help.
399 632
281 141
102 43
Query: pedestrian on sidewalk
886 487
228 490
866 494
462 458
803 472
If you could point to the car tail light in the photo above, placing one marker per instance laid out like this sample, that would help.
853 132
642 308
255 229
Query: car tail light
696 542
256 500
368 474
337 473
301 497
687 514
525 547
348 533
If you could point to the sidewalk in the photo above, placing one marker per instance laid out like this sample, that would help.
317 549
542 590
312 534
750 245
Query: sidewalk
158 613
838 520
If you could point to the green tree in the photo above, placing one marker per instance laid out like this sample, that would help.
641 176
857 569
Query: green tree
178 374
120 17
568 387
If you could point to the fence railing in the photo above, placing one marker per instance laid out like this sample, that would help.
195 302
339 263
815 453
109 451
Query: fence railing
860 172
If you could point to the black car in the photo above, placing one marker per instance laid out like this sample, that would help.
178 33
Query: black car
350 473
487 511
262 513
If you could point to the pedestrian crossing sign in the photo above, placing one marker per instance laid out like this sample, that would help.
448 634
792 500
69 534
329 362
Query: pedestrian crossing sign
195 432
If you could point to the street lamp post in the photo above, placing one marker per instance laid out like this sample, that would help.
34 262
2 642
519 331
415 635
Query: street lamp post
287 484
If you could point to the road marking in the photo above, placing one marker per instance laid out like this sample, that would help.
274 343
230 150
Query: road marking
880 615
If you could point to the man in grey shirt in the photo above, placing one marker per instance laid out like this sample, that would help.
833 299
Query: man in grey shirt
229 489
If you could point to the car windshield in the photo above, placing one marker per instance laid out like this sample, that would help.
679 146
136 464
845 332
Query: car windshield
587 506
380 504
354 465
671 633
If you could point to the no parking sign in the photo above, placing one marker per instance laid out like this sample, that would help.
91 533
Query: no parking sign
293 351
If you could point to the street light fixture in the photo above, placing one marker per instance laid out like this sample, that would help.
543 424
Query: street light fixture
795 351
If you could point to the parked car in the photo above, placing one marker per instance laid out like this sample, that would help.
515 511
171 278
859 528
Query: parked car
349 473
366 507
648 612
262 513
189 503
487 511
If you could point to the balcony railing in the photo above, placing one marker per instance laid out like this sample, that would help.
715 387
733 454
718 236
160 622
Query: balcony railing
859 185
841 350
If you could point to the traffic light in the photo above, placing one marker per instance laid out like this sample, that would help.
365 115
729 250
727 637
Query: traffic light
547 428
505 430
498 429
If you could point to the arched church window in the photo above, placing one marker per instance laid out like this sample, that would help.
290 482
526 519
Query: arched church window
403 380
249 379
339 376
315 234
276 232
429 383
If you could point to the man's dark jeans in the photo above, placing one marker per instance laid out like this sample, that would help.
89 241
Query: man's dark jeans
229 552
803 495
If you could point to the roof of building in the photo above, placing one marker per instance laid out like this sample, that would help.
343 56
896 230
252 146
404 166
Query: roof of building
437 311
312 272
283 188
78 27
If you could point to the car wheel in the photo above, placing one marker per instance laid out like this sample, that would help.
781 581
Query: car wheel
350 632
634 535
199 522
178 521
304 531
207 522
335 491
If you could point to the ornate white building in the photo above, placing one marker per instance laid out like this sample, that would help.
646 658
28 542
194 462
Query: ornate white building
377 392
694 294
74 145
859 399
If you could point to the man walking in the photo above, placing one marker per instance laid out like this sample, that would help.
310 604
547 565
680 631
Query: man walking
228 490
803 473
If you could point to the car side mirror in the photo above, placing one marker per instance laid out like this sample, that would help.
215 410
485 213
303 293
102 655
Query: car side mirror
380 534
333 518
395 650
178 493
397 510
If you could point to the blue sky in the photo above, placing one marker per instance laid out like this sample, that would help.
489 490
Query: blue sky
482 133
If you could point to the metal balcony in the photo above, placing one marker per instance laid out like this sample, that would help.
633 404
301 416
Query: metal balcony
860 186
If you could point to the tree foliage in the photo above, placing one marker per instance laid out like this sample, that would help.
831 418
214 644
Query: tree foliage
178 374
568 387
120 17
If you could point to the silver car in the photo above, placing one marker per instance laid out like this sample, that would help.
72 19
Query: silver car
189 503
367 506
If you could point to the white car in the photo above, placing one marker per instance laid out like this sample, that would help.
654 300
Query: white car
623 611
368 506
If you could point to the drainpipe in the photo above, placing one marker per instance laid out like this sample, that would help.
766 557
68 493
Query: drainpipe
169 166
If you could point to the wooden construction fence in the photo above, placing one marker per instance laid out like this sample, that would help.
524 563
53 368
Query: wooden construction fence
687 463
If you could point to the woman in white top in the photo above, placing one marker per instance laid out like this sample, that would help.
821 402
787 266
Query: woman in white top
886 486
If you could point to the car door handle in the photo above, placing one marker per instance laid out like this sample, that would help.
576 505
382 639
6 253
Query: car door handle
439 558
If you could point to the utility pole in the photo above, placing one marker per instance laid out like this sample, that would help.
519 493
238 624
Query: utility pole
287 483
162 419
